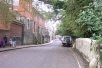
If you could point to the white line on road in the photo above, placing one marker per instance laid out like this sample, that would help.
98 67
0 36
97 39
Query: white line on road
76 58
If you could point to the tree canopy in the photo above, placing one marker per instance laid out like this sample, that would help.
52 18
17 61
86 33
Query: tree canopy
6 16
80 18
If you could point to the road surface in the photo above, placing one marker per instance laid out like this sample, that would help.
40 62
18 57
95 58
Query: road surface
51 55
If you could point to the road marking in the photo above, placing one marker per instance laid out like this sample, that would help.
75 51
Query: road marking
76 58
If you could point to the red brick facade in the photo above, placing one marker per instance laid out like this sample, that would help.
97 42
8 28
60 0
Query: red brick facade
36 24
16 30
3 33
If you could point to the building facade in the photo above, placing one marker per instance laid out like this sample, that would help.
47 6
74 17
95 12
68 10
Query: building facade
34 23
28 28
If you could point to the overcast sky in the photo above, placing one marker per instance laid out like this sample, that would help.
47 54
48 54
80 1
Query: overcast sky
41 6
16 2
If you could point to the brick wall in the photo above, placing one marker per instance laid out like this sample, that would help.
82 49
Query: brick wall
4 32
16 30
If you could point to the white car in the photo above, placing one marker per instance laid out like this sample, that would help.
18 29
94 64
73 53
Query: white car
67 41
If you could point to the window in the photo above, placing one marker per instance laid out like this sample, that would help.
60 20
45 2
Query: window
29 6
36 18
18 39
28 23
18 17
33 27
38 28
22 18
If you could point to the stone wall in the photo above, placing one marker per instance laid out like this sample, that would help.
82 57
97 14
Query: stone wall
29 36
84 46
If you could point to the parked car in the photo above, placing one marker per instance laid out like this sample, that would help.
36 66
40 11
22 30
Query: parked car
67 41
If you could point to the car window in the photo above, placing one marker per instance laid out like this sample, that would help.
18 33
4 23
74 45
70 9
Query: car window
66 38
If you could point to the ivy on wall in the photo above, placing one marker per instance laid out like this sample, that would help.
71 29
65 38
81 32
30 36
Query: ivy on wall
6 16
37 13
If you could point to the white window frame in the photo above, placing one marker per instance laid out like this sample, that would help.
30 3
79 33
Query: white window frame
28 6
18 17
28 23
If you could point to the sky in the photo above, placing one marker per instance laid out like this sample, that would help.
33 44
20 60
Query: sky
35 0
41 6
15 2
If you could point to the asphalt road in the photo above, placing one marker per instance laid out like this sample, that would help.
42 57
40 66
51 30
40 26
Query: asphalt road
52 55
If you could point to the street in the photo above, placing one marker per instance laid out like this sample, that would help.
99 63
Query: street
51 55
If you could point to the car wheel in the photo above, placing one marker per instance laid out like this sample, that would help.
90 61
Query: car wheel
63 45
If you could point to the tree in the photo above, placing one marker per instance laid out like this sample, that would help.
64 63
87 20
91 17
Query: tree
72 9
79 19
6 16
90 20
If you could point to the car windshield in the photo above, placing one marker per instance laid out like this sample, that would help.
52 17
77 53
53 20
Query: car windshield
66 38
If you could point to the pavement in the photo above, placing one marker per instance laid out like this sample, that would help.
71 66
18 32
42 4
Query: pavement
2 49
80 60
50 56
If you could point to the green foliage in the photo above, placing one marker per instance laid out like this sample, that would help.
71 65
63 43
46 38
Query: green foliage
99 43
72 9
58 5
100 58
64 28
6 16
90 21
58 32
36 13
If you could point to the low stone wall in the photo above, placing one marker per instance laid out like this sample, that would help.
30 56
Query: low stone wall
84 45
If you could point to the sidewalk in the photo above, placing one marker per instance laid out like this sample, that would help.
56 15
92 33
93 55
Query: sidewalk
21 46
17 47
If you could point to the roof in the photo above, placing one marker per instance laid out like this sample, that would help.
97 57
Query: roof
4 29
18 22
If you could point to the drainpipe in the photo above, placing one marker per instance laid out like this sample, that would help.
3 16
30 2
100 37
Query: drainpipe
22 40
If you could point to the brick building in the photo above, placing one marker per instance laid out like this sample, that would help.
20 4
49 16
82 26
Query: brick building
40 30
28 28
25 10
34 25
12 29
17 30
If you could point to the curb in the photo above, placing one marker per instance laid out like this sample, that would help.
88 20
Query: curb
8 49
86 63
25 46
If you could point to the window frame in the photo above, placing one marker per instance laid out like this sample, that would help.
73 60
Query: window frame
28 23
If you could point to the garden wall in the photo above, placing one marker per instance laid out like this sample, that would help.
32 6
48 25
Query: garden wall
84 46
